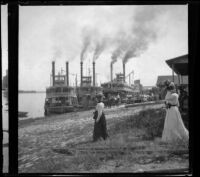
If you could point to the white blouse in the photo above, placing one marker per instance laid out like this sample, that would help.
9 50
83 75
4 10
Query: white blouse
172 98
99 108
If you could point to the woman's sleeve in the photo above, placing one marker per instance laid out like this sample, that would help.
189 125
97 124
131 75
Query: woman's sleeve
172 99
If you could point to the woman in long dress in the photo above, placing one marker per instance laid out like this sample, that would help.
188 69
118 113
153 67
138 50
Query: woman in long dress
100 129
174 129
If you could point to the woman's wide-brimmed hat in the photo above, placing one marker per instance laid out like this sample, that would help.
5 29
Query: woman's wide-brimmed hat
171 86
167 83
99 95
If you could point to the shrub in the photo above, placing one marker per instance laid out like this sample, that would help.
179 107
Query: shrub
152 121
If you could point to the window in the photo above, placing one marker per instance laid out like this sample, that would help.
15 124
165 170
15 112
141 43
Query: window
58 89
65 89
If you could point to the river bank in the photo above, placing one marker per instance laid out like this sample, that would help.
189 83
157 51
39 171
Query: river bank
62 144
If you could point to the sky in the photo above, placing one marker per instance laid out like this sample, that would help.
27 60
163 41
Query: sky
143 37
4 41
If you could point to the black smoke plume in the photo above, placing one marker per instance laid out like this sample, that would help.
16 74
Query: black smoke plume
144 31
100 45
87 38
122 45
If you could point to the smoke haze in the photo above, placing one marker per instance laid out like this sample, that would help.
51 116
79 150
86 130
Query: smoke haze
101 44
101 33
127 38
144 31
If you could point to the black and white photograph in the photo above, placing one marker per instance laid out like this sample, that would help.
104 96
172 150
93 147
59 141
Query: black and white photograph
102 89
4 93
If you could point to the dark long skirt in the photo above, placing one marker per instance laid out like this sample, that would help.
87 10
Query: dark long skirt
100 129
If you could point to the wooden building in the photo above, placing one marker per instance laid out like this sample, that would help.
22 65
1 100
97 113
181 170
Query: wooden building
179 65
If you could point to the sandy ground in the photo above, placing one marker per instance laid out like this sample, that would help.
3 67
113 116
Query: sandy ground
38 138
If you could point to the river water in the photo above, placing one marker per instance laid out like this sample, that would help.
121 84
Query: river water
33 103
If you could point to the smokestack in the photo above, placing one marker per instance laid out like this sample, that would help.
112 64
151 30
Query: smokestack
93 73
111 71
67 73
124 71
81 72
53 72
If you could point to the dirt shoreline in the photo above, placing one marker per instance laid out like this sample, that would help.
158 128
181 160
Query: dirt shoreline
40 138
29 120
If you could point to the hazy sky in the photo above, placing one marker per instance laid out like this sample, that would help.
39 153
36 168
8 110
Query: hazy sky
143 36
4 41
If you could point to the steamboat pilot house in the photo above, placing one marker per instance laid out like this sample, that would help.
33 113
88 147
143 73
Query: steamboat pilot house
60 97
117 87
88 90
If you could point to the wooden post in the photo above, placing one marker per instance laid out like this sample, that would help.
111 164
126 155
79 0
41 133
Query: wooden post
179 79
173 72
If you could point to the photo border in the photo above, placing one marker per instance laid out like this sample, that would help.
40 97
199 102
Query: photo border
13 31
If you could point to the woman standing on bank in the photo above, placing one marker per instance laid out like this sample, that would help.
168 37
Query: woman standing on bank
100 129
174 128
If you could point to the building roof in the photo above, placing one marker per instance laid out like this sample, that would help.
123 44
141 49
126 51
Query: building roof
179 64
162 79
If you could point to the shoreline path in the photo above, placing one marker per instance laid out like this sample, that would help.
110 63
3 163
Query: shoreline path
37 138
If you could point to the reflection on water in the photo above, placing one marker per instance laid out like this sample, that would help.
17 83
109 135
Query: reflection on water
33 103
5 128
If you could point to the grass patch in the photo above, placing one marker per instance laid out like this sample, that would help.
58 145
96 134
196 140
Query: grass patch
151 121
86 161
128 135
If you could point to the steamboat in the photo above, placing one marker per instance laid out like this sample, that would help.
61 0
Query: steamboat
117 91
88 90
60 97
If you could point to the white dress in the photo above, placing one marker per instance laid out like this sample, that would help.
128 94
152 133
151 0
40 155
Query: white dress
174 129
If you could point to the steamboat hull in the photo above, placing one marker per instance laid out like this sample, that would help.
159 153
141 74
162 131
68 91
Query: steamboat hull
59 110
